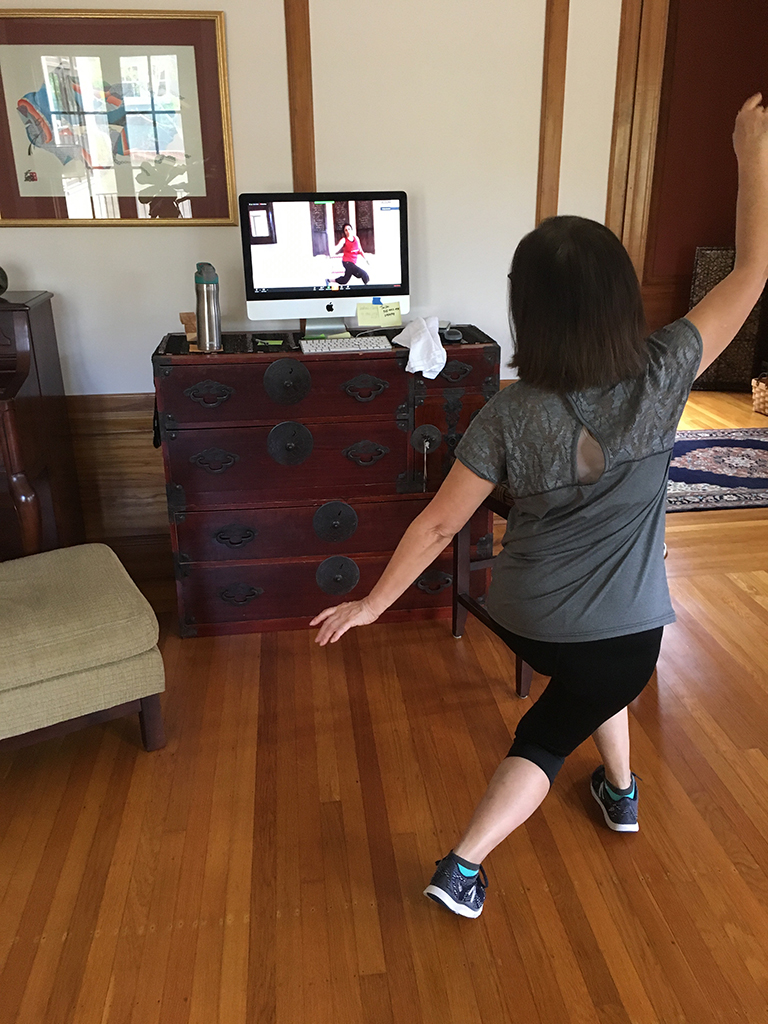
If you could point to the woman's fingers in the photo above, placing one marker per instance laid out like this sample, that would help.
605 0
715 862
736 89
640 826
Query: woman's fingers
752 102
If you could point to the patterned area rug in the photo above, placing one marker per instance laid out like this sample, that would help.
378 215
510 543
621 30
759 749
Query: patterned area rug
718 469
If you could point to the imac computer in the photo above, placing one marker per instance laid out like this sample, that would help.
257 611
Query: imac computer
315 255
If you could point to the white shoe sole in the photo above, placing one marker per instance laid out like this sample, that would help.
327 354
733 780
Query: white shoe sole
612 824
441 896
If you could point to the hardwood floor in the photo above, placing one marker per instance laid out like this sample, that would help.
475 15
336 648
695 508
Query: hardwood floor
267 865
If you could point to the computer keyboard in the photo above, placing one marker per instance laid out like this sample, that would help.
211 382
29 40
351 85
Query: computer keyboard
362 343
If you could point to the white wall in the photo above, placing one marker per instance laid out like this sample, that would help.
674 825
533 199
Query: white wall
119 290
590 85
439 99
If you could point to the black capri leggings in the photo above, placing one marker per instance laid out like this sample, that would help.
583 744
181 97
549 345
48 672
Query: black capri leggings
352 269
590 682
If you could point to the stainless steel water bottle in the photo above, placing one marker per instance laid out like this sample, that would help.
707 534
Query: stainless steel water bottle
208 312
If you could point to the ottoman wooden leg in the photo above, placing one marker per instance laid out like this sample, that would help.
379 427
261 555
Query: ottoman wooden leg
151 722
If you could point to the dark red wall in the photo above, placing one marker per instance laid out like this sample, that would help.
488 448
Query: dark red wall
717 55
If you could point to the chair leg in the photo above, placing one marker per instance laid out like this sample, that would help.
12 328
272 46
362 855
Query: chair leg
523 676
460 578
151 723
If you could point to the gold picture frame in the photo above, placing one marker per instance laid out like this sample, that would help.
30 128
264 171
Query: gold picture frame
115 118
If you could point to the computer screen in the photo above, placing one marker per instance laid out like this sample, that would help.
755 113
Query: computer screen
319 254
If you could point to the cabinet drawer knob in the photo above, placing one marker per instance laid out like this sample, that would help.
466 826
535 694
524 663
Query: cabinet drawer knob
364 387
209 393
289 444
365 453
240 593
235 536
334 521
215 460
287 381
337 575
454 371
433 581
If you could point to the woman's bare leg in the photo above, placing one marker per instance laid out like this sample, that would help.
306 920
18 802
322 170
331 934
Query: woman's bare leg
612 740
517 788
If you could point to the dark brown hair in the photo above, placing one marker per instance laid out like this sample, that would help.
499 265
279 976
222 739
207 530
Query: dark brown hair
575 306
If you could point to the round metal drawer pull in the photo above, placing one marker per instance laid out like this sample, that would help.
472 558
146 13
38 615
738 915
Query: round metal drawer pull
337 575
289 443
334 521
287 381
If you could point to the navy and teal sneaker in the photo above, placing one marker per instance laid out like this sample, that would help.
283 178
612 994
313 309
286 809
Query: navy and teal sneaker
458 893
620 814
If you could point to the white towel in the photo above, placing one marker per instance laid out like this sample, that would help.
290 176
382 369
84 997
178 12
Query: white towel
427 352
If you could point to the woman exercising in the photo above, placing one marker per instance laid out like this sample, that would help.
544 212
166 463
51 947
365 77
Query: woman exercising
583 441
351 255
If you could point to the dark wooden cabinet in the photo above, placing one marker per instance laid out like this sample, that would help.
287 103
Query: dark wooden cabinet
291 477
39 497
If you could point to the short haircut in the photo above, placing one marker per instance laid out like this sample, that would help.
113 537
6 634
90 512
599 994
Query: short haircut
576 309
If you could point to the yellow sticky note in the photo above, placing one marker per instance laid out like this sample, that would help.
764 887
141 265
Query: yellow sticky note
390 315
368 315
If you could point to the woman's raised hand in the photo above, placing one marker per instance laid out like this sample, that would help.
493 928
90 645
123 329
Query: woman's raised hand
750 134
334 622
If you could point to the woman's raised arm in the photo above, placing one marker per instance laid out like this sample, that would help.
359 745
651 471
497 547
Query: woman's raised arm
724 309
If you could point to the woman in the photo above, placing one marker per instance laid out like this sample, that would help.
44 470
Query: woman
351 254
584 441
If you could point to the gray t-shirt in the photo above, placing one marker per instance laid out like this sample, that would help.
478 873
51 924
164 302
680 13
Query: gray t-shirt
584 561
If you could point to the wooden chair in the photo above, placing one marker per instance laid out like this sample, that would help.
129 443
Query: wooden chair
498 501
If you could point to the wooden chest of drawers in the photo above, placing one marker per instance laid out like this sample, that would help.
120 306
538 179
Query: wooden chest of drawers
291 477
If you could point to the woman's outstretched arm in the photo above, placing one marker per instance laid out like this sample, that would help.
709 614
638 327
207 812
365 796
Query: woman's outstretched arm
724 309
461 494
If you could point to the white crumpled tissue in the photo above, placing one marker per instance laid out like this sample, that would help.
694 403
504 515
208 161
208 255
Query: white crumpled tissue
426 350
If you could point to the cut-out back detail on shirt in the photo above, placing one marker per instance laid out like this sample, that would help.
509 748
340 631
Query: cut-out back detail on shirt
590 461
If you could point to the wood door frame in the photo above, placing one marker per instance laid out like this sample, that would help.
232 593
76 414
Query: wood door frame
552 106
298 45
642 46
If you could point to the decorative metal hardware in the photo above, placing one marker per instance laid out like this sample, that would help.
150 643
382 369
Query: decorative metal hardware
403 417
419 391
490 387
235 536
337 575
364 387
289 443
492 353
181 566
209 393
454 371
215 460
287 381
169 428
485 546
365 453
240 594
433 581
176 498
426 438
335 521
188 627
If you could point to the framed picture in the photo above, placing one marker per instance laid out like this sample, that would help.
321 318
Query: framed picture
114 118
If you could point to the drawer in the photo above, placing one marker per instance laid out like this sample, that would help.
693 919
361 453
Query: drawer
243 466
261 591
323 528
467 366
291 387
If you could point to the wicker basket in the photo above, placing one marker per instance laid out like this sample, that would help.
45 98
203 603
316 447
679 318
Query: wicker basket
760 394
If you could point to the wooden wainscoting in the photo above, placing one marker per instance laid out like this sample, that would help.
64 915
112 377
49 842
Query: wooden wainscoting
122 486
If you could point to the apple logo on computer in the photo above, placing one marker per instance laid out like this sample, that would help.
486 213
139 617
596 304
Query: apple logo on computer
329 307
